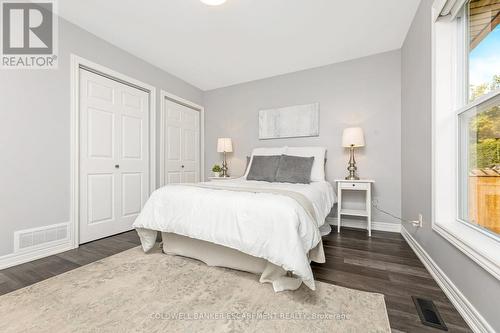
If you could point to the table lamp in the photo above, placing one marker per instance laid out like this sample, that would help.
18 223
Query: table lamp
224 145
353 137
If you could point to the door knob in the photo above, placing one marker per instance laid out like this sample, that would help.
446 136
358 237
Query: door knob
117 166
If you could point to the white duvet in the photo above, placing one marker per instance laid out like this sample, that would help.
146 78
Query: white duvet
265 225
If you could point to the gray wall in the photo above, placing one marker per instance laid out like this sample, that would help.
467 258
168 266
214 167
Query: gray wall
35 116
363 92
480 288
35 130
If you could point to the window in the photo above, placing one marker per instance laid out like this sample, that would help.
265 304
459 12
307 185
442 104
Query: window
479 165
483 18
479 123
466 127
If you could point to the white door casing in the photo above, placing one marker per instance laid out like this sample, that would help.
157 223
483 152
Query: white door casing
181 143
114 155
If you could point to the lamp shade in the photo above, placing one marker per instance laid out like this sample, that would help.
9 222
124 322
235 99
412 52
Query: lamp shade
353 137
224 145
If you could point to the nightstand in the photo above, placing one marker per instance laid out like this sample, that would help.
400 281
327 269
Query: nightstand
362 185
217 179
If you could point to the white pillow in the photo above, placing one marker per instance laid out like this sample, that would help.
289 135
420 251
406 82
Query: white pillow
318 168
264 152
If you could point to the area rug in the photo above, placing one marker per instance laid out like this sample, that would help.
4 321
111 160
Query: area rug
137 292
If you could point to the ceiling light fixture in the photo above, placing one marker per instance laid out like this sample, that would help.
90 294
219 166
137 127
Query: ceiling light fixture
213 2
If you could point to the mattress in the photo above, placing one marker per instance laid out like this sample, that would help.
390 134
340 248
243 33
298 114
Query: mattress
277 222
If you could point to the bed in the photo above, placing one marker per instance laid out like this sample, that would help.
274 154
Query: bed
267 228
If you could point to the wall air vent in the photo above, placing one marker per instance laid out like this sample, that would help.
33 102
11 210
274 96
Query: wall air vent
40 237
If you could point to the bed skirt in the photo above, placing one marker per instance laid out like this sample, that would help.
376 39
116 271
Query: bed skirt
221 256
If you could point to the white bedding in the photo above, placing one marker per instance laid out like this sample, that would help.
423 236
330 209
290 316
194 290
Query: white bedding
266 225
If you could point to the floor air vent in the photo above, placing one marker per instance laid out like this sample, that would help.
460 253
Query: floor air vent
428 313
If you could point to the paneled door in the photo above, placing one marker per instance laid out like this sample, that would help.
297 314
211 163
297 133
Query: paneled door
114 155
182 143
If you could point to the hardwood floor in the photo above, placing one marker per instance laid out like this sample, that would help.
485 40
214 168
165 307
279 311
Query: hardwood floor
26 274
383 263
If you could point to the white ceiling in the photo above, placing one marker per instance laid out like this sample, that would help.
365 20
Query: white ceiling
244 40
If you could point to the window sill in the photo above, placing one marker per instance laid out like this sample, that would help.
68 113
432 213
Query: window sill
481 248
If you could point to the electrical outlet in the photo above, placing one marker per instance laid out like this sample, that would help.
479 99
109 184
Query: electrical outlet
418 223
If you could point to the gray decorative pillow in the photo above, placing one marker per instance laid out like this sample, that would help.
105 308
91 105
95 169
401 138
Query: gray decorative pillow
294 169
264 168
247 164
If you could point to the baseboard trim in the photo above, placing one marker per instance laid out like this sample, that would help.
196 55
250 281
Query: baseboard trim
473 318
17 258
380 226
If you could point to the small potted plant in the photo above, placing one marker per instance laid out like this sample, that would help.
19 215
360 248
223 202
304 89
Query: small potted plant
216 169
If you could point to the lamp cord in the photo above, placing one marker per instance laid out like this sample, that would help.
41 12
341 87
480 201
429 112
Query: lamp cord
375 205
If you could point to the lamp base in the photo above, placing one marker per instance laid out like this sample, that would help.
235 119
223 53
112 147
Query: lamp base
224 168
224 173
352 166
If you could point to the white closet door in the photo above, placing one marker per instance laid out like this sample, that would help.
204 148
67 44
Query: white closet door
114 155
182 144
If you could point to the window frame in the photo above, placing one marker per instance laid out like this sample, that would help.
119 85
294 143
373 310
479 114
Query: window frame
450 99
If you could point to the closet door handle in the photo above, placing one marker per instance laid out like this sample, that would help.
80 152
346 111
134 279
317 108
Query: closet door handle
117 166
182 166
